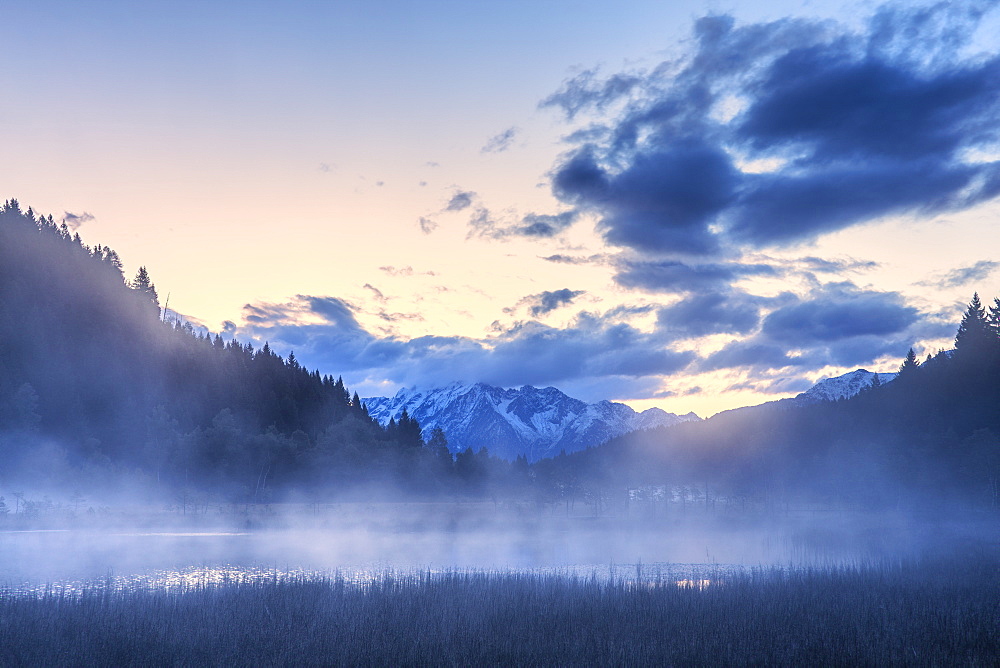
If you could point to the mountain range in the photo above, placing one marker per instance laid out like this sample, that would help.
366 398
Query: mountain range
529 421
539 423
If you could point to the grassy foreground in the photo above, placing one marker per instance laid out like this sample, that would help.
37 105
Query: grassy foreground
926 614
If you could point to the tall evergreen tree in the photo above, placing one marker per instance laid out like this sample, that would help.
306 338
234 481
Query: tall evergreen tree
408 434
993 318
909 365
143 286
975 337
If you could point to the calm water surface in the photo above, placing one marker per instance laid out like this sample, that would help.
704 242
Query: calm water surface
692 556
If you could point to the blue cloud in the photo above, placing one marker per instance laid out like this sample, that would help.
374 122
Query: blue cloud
529 353
673 276
752 354
837 324
460 201
500 142
964 275
837 312
712 313
775 133
586 91
549 300
544 225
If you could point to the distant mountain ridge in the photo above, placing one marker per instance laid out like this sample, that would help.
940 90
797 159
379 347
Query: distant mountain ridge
844 386
529 421
841 387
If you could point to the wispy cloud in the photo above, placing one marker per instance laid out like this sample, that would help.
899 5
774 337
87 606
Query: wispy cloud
501 142
75 220
956 278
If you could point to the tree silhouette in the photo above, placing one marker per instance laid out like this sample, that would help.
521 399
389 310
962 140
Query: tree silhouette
975 335
909 365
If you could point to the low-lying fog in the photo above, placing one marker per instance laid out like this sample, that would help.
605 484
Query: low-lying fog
353 539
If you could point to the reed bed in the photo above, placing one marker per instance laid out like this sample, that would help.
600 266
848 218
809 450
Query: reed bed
928 613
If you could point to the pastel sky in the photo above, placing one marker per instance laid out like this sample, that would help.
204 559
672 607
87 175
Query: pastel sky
695 205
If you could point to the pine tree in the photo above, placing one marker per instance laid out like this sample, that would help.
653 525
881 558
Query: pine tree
975 337
993 319
408 434
438 446
359 406
144 287
909 365
340 391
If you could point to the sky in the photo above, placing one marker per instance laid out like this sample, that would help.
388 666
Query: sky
695 205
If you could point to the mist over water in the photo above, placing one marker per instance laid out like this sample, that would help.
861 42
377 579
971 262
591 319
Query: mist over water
356 541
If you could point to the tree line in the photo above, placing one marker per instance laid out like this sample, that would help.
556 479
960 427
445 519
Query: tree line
96 388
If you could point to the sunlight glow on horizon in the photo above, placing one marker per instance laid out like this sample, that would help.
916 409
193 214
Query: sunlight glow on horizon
250 159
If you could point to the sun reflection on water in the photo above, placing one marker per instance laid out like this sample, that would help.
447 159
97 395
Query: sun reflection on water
686 576
694 584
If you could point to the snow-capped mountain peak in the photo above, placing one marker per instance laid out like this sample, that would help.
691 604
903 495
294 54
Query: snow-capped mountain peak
842 387
530 421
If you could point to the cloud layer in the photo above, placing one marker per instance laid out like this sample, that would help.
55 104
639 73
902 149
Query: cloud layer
697 172
773 134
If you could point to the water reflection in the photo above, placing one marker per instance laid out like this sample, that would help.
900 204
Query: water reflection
685 576
695 554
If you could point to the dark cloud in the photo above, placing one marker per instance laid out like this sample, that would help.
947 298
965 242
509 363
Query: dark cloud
336 311
751 354
837 324
963 275
678 277
483 223
592 350
548 301
75 220
460 201
663 201
839 311
500 142
775 133
701 314
544 225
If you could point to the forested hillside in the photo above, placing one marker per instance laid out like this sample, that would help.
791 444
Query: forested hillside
930 437
96 388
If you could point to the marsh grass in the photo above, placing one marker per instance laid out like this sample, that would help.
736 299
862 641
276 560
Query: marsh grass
929 613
